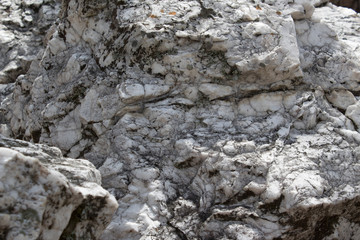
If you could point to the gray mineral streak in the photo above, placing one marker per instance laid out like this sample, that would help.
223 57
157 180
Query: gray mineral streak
207 119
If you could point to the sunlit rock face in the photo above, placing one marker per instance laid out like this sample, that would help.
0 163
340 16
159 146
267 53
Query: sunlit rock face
206 119
46 196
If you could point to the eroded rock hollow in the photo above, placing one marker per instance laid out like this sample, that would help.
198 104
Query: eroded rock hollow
206 119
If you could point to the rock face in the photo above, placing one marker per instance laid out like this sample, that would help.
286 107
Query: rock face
46 196
354 4
24 28
207 119
23 25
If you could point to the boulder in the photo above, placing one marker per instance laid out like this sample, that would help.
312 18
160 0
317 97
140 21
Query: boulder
44 195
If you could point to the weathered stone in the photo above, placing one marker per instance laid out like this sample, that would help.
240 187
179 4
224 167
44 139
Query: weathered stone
354 4
341 99
207 119
353 112
46 196
21 36
214 91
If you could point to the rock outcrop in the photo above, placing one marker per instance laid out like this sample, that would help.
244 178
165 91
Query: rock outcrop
23 26
207 119
46 196
354 4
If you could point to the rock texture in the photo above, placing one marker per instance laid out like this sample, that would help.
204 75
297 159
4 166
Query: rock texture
207 119
354 4
46 196
23 25
24 28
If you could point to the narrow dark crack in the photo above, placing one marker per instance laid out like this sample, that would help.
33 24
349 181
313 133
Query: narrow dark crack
180 233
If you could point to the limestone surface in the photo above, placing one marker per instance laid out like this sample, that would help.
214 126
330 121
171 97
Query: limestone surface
207 119
46 196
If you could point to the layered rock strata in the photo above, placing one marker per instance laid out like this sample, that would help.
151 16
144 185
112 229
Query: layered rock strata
207 119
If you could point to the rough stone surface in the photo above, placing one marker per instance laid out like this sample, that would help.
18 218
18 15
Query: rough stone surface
46 196
207 119
23 26
354 4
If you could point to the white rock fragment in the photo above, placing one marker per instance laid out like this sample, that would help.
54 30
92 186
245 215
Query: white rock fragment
272 192
91 36
257 28
245 108
191 93
42 193
243 232
263 103
148 174
255 188
157 68
56 44
353 112
67 132
301 10
188 153
307 182
72 69
90 110
131 92
341 98
99 128
230 148
6 36
152 90
249 13
214 91
54 110
106 59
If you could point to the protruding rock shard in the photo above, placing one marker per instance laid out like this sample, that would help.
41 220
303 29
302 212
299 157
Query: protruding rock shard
46 196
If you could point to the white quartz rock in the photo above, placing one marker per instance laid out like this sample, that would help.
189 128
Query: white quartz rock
353 112
42 195
56 44
54 110
255 188
68 131
207 119
152 90
158 69
258 28
266 102
90 110
34 3
214 91
341 98
131 92
6 36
